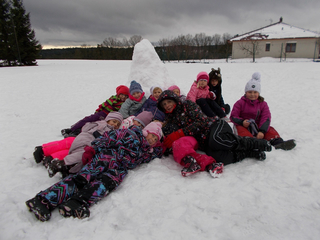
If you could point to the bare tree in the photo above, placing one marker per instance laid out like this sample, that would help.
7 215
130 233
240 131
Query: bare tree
250 44
111 42
134 40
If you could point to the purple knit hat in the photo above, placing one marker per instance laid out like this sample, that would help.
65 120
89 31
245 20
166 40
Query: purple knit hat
144 118
114 115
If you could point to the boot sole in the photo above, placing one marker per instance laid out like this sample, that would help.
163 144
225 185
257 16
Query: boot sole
38 215
287 145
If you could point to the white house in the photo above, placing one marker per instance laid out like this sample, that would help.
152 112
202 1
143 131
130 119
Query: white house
278 40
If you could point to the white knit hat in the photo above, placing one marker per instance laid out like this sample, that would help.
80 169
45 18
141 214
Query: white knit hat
254 84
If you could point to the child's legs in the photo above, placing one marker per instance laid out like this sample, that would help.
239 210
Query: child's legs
52 147
216 108
183 147
243 132
100 187
92 118
205 107
271 134
59 192
60 154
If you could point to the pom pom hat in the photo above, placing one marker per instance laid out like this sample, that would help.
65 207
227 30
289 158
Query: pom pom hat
203 76
155 128
135 87
254 84
122 89
144 118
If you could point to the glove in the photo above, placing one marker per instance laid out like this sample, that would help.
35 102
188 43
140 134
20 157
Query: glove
96 134
223 109
173 137
212 95
87 155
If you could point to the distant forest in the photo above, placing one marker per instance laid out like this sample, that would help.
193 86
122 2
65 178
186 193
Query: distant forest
181 48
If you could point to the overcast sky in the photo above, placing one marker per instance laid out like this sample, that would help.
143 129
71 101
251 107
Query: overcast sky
63 23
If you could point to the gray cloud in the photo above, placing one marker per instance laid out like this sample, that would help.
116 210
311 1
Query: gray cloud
72 23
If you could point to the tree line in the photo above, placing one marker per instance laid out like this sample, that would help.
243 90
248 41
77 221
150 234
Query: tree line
18 45
182 48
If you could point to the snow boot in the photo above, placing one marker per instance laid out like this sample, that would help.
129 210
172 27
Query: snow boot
40 208
73 208
259 155
249 143
278 143
190 166
215 169
38 154
46 161
55 166
65 132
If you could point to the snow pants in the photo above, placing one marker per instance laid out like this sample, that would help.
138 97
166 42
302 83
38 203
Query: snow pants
210 107
95 181
58 149
221 143
187 146
269 135
92 118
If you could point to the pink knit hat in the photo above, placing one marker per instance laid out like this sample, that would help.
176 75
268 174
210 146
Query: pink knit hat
155 128
173 87
203 76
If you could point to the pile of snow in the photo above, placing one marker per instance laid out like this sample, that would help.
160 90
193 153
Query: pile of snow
278 198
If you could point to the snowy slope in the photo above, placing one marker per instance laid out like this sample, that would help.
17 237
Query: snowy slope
275 199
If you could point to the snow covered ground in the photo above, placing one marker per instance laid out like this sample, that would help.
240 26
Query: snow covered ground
278 198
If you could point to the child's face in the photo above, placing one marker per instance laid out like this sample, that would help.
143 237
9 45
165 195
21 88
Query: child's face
136 95
202 83
214 82
123 97
156 93
137 123
168 105
252 95
152 139
114 123
176 92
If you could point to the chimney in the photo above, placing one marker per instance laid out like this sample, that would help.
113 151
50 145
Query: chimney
280 19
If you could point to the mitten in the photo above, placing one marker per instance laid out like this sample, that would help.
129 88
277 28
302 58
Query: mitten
172 137
212 95
87 155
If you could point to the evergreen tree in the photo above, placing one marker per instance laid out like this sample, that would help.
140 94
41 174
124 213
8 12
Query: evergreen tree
5 31
23 42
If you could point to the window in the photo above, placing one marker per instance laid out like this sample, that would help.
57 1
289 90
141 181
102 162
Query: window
267 47
291 47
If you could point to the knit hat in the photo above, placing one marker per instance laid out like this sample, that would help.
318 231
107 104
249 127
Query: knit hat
114 115
144 118
135 87
173 87
122 90
153 87
254 83
203 76
155 128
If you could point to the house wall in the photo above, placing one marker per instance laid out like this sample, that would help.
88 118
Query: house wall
305 48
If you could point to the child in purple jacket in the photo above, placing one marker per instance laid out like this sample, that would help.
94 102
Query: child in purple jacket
252 116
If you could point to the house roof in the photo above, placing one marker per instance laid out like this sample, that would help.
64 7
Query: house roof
277 30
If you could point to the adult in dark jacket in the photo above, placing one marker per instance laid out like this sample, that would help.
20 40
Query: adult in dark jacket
215 138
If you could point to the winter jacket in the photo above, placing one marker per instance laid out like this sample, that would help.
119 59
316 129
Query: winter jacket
110 105
195 93
188 117
256 110
128 147
130 107
217 92
84 139
150 105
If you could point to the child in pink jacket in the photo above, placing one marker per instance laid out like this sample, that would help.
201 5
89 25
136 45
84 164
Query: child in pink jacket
252 116
199 93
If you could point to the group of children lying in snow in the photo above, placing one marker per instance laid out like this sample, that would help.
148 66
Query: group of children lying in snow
127 130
